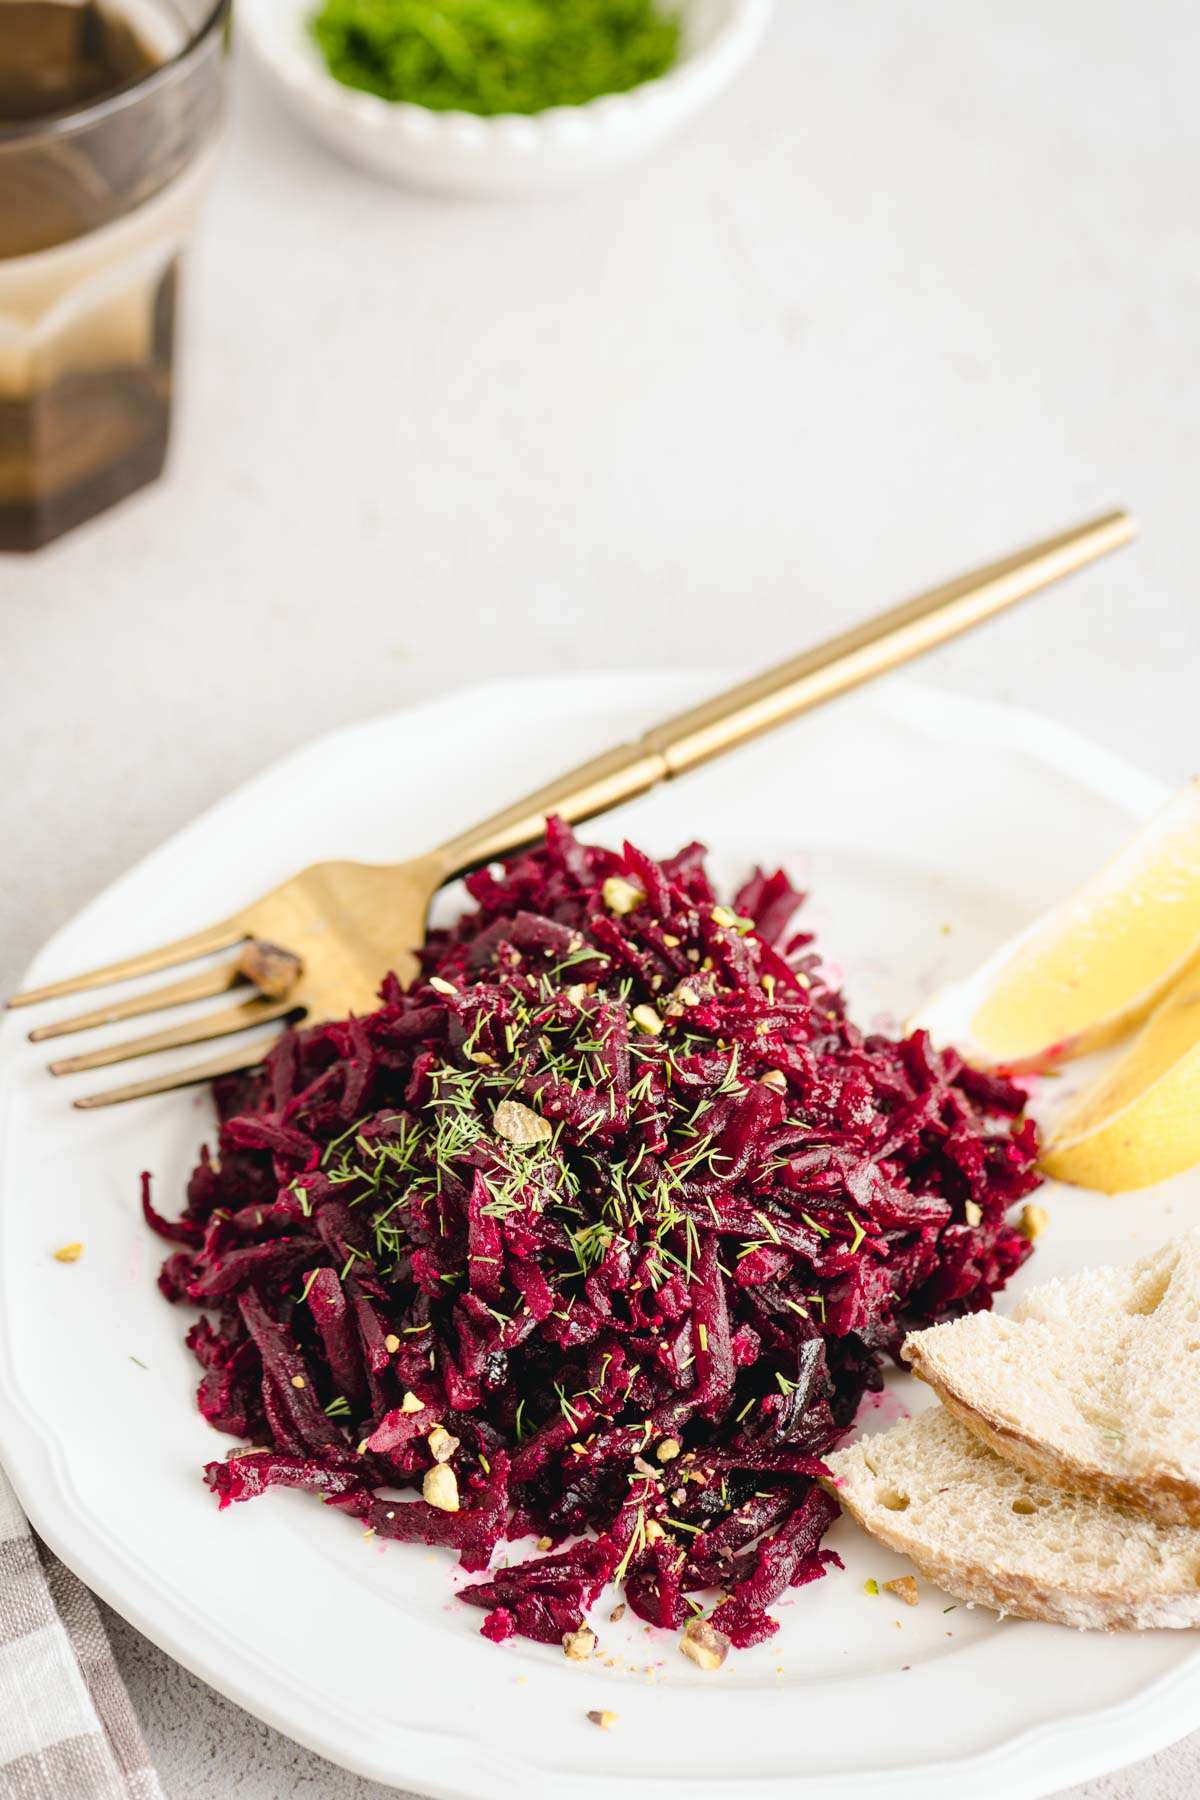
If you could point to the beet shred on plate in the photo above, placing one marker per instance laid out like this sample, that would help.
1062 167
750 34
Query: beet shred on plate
598 1234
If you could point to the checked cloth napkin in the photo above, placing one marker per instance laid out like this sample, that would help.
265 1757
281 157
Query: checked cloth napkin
67 1728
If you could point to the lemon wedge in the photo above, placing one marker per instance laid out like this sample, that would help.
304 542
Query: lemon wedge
1140 1123
1100 962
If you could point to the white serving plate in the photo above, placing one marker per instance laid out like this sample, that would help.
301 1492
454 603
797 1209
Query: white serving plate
509 154
929 828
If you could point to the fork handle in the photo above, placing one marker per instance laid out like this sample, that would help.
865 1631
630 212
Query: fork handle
842 662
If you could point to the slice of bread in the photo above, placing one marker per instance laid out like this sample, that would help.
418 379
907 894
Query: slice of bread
1092 1383
987 1532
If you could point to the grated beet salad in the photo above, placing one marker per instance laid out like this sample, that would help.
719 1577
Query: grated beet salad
598 1234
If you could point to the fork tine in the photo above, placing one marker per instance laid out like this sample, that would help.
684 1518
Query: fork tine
200 943
175 993
245 1058
196 1031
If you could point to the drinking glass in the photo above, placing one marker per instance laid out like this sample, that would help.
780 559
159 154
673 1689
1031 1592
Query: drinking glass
97 199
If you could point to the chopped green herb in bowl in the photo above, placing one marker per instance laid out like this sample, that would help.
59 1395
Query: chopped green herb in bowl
496 56
500 97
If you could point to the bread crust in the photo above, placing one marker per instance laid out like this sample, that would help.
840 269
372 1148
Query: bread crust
1023 1599
1166 1497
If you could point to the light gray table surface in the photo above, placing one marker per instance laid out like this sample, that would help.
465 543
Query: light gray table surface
925 284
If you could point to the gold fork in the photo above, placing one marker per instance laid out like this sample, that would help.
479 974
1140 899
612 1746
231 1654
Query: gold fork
317 947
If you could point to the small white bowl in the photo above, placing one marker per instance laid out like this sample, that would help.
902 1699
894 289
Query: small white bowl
510 153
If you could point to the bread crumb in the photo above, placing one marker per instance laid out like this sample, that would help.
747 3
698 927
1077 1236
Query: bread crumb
905 1588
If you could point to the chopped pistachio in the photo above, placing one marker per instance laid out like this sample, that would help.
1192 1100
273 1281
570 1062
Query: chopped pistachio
871 1587
579 1645
905 1588
440 1488
441 986
577 993
298 1381
391 1343
670 940
776 1079
647 1020
617 1614
654 1531
410 1403
604 1719
731 921
272 970
520 1124
441 1444
973 1212
545 1543
69 1253
703 1644
1033 1221
668 1449
621 896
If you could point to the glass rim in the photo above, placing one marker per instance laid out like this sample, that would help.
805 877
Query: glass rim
78 118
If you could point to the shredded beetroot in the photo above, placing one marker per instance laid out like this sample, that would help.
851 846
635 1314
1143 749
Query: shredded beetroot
618 1201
